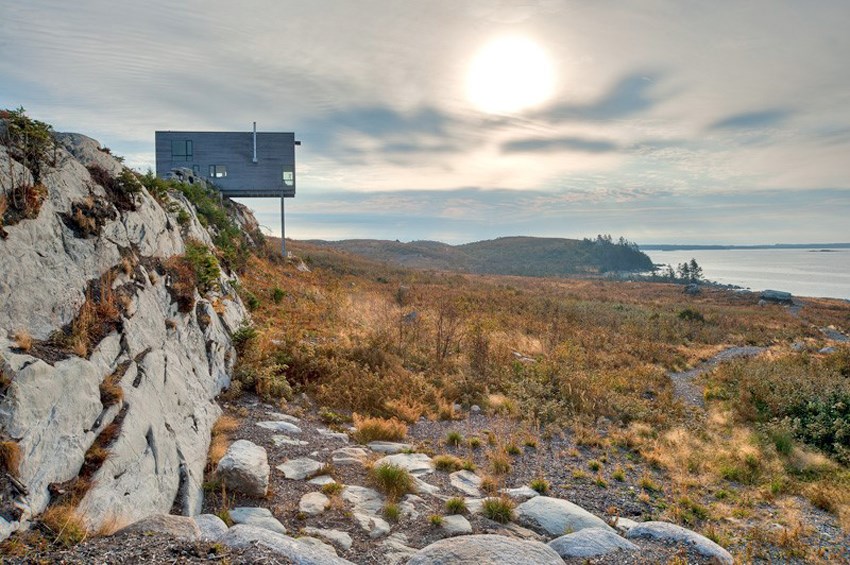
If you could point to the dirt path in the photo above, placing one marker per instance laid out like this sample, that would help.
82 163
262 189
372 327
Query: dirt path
683 382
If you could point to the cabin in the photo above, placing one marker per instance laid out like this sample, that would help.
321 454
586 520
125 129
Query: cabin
237 164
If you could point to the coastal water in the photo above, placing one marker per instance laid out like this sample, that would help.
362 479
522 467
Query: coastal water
802 272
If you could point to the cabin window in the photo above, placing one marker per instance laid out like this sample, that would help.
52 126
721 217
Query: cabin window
288 178
182 150
218 171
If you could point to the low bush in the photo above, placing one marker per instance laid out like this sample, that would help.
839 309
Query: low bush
378 429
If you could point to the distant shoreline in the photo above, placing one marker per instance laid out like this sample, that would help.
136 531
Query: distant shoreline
673 247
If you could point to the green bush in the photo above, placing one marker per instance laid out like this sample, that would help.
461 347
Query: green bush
204 264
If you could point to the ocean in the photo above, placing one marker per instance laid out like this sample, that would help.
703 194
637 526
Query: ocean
802 272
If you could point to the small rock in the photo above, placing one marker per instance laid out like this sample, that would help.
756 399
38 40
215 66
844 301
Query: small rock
666 532
474 505
245 468
423 487
280 427
827 350
180 527
313 503
375 526
257 518
282 416
365 500
476 549
554 516
457 407
692 289
349 456
520 494
321 480
388 447
456 525
590 542
416 463
475 408
623 525
300 468
467 482
286 440
339 539
242 536
324 432
211 526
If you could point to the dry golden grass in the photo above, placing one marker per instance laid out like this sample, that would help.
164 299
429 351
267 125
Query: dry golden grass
220 437
110 391
10 457
407 410
66 526
23 340
378 429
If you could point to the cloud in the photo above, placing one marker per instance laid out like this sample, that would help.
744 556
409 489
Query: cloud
560 144
629 96
753 120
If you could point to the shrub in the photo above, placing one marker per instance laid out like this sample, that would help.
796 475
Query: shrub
456 505
392 480
498 509
619 474
252 301
475 442
278 294
691 315
540 485
447 463
378 429
243 336
513 449
454 439
594 465
205 266
28 141
407 410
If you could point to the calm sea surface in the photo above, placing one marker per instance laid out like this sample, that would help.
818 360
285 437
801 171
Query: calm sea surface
802 272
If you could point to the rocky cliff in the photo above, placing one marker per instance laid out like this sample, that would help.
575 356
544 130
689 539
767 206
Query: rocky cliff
115 337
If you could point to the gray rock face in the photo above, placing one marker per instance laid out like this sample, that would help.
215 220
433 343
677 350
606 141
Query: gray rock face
313 503
241 536
555 517
476 549
466 482
300 468
174 363
671 533
456 525
396 550
590 542
212 527
180 527
258 518
245 468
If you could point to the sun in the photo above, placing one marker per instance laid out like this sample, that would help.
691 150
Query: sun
510 74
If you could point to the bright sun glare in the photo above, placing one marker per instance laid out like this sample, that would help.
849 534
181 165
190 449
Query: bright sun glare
510 74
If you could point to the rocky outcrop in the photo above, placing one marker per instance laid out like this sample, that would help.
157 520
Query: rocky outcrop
128 403
590 542
485 548
673 534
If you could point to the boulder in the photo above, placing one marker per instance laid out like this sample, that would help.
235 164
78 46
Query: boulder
245 468
242 536
212 527
555 517
313 503
776 296
671 533
300 468
590 542
180 527
416 463
257 518
456 525
486 548
466 482
340 540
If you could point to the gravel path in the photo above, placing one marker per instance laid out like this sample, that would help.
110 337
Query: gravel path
683 382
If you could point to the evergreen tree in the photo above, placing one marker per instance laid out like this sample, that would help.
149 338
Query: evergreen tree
695 271
684 270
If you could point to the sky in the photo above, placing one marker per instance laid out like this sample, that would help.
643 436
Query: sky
663 121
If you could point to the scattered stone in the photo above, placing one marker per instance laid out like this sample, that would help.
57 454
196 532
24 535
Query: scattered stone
282 416
423 487
372 524
300 468
474 505
456 525
475 408
365 500
520 494
416 463
339 539
831 333
388 447
324 432
211 526
245 468
590 542
257 518
322 480
798 346
313 503
466 482
242 536
280 427
317 544
692 289
350 456
457 407
671 533
554 516
408 506
486 548
286 440
827 350
396 549
180 527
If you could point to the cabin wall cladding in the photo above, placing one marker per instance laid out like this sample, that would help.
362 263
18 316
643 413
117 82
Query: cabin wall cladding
141 450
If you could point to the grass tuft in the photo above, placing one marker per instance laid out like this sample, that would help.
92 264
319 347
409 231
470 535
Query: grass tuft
378 429
499 509
392 480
